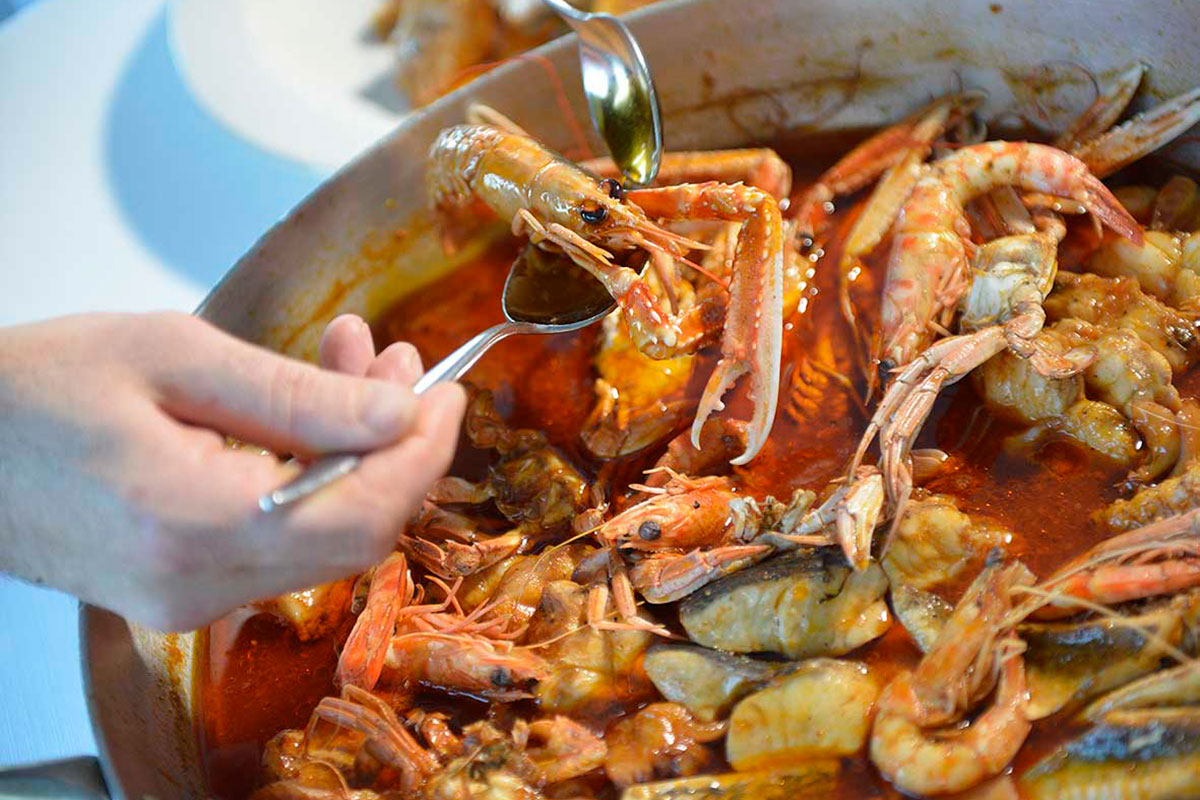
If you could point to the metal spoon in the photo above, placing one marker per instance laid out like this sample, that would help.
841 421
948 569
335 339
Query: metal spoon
619 90
544 293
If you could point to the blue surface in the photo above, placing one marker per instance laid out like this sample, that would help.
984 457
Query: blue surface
8 7
187 194
197 195
43 715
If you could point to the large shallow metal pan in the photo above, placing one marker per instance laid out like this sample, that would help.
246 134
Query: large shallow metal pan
728 73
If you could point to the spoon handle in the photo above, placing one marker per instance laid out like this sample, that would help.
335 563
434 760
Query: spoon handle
325 470
567 11
454 365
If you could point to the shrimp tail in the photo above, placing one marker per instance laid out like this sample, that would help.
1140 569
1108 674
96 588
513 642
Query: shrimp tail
1108 209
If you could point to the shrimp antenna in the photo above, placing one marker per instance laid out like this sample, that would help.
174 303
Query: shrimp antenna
483 114
559 91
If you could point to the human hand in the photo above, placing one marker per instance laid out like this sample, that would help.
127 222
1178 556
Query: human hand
116 486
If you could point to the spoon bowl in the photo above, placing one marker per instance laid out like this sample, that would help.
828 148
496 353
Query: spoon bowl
549 289
544 293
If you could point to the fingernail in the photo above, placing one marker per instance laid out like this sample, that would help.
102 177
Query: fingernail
386 408
412 361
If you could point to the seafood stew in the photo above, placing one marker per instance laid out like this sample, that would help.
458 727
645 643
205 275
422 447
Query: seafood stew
863 577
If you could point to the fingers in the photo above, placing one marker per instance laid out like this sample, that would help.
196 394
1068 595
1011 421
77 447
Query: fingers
414 464
219 551
223 383
400 362
354 523
347 346
216 537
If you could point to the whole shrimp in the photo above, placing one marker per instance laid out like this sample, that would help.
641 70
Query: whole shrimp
927 269
1011 277
910 741
1156 559
562 207
401 640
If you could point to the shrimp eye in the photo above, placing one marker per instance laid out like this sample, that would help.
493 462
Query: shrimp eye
649 530
593 214
613 188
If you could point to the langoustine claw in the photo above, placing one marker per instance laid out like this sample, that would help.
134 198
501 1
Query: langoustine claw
752 341
1103 112
908 141
853 510
1140 135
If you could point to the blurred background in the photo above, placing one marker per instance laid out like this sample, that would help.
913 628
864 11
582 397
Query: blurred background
8 7
120 192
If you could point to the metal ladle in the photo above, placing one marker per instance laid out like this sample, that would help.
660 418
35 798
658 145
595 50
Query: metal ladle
619 90
544 293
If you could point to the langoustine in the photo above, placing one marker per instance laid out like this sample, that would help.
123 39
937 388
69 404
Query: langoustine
560 206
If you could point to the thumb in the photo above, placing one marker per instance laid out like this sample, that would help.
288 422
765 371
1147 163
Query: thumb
218 381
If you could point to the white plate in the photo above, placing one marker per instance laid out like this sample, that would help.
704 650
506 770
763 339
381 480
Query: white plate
300 78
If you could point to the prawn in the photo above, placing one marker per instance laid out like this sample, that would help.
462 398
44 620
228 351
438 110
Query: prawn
927 270
911 743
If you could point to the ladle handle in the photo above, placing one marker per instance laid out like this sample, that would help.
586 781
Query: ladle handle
325 470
